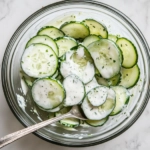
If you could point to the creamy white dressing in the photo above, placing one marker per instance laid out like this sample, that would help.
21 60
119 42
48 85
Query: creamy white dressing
98 95
39 61
80 52
69 67
21 101
92 84
74 90
47 94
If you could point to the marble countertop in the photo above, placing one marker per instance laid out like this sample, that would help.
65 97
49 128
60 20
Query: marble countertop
12 14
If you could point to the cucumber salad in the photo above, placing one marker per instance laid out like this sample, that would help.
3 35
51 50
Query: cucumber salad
80 63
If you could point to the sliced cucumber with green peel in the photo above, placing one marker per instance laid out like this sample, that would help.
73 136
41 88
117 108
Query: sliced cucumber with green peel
101 80
98 95
52 110
108 82
107 57
28 80
97 123
100 112
129 51
68 122
60 78
55 75
84 124
129 77
114 38
48 93
78 62
90 39
77 30
114 80
43 39
122 98
96 28
51 31
65 44
55 109
75 90
39 60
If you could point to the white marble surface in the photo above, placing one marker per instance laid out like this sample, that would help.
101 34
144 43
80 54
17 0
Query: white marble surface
12 14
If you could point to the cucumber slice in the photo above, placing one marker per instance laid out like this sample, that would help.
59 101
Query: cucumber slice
39 60
84 124
107 57
114 38
97 96
92 84
60 78
43 39
114 80
65 44
52 110
28 80
78 62
129 51
108 82
51 31
68 122
129 77
55 75
75 90
48 93
101 80
77 30
97 123
90 39
56 109
100 112
96 28
122 98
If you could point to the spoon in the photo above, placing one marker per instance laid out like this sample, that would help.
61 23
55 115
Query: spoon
74 112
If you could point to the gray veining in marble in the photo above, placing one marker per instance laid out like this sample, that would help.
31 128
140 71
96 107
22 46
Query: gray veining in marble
12 14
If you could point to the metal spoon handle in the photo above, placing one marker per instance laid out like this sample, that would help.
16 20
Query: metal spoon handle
18 134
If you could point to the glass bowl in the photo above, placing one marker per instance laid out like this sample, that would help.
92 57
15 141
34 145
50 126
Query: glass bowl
19 99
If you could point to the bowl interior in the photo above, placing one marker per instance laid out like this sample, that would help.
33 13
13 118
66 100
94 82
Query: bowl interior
19 97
